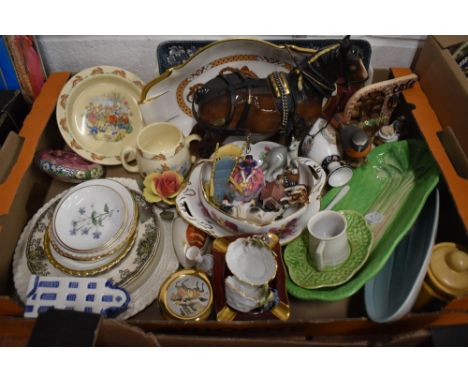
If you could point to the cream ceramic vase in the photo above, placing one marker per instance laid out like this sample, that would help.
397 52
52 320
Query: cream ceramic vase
159 147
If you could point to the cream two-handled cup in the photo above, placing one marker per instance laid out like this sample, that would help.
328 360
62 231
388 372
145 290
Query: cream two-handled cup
328 240
159 147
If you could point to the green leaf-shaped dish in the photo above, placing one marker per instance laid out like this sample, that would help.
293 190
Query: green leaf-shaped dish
304 274
394 184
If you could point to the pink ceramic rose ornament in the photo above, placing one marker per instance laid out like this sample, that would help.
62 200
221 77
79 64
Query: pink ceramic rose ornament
162 187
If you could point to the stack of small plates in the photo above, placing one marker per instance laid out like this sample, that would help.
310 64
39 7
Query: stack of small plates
92 229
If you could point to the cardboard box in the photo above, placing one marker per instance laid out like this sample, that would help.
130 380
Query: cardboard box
430 125
24 189
446 86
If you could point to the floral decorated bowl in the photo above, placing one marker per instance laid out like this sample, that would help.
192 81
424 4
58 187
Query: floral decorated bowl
310 174
93 220
68 166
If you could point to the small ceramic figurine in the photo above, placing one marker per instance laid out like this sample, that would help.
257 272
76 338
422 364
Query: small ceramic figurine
271 196
220 186
250 212
386 134
356 144
275 160
247 179
195 250
296 195
68 166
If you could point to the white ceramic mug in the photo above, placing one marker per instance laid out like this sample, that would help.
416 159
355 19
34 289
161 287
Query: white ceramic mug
328 240
159 147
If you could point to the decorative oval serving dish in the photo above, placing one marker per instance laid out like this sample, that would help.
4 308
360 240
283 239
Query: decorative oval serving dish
189 204
98 113
166 97
272 207
68 166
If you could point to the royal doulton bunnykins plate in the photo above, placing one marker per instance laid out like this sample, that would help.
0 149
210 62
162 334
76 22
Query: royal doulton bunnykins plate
98 113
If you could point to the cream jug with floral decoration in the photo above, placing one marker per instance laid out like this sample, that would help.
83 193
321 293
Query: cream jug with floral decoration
159 147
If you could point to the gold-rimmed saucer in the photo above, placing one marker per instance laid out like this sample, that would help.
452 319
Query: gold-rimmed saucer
57 262
76 220
95 256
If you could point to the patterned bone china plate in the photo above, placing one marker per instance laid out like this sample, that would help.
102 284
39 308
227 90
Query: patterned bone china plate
141 272
93 216
165 97
98 113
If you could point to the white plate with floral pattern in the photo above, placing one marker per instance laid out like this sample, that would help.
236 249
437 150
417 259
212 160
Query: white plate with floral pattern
141 273
98 112
93 216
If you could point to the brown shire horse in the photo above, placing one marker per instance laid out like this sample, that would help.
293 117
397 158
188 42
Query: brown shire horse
239 103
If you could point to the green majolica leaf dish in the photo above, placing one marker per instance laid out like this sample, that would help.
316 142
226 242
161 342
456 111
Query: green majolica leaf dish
390 189
304 274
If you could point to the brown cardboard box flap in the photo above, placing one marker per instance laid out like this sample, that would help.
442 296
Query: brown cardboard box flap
32 129
449 41
430 125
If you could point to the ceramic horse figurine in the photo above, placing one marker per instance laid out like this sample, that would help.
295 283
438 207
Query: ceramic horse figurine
236 102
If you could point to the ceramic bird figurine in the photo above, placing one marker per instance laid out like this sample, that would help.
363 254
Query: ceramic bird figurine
356 144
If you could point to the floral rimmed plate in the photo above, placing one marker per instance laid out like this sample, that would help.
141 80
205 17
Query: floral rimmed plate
98 114
305 275
142 271
93 216
85 268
